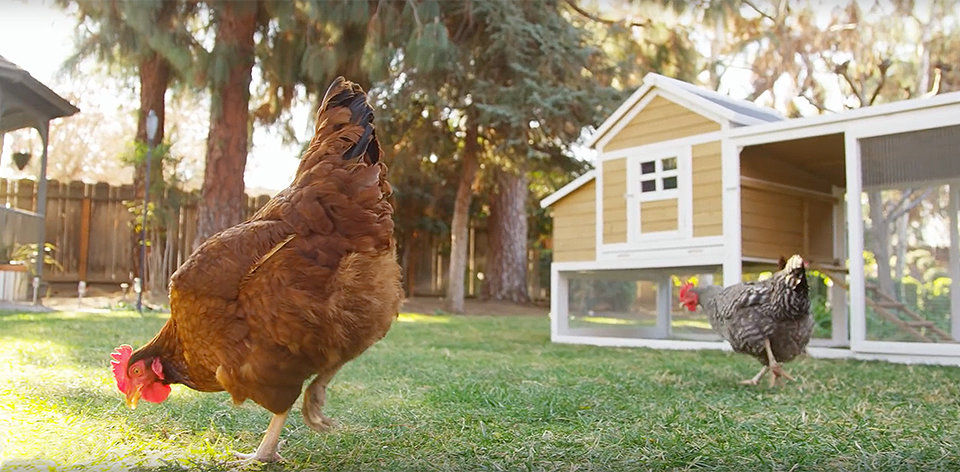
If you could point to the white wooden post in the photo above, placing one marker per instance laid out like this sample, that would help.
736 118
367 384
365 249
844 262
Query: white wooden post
44 130
858 321
559 303
954 210
840 316
732 241
598 208
663 306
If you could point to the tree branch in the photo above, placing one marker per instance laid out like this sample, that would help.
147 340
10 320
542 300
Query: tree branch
907 204
883 66
759 11
816 104
641 24
841 70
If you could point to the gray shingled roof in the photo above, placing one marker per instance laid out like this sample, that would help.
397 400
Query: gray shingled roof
742 107
24 99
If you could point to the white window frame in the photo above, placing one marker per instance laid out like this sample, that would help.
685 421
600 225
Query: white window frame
658 175
683 193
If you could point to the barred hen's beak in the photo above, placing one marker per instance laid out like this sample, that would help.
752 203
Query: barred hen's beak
133 397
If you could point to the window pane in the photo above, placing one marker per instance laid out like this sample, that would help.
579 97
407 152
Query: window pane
669 163
648 167
669 183
648 186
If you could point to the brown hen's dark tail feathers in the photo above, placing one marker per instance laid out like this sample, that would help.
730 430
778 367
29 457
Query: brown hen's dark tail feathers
345 94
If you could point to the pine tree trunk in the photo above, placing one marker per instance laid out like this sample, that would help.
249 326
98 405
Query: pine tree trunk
507 233
459 226
154 80
222 200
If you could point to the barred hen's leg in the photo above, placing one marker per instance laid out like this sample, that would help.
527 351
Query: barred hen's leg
313 400
756 378
776 371
267 451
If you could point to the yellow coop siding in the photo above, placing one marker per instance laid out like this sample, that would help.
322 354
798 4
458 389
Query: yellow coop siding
614 201
574 223
660 120
659 215
777 224
707 190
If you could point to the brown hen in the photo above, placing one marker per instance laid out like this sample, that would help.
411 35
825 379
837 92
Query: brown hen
305 285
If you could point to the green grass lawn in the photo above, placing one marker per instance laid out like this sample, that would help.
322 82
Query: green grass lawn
478 393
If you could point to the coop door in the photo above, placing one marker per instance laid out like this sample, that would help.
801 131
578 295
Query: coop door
911 184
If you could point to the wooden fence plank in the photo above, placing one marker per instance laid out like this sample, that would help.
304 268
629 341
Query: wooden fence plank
90 226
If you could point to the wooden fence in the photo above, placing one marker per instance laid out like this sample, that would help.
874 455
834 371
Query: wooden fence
91 227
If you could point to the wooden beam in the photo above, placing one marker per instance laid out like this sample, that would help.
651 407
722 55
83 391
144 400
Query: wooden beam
84 234
805 210
896 320
954 210
760 184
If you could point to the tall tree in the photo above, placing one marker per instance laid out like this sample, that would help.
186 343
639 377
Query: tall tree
222 198
512 84
507 230
148 39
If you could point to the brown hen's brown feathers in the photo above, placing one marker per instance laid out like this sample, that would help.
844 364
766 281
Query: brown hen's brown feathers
306 284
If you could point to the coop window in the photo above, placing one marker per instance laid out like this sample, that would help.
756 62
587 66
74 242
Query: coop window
657 176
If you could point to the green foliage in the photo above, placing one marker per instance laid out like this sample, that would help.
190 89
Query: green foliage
121 34
820 308
26 255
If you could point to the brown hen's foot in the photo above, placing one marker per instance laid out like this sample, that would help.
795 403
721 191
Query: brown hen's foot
756 378
254 457
267 450
314 398
776 371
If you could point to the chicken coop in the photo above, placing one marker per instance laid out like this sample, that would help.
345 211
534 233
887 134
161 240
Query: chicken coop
692 184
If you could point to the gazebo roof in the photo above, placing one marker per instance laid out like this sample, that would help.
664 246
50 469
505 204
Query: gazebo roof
25 102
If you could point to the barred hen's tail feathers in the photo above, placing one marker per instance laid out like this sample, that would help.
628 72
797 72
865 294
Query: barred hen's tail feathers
344 127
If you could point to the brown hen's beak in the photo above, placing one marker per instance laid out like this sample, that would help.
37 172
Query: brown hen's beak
133 397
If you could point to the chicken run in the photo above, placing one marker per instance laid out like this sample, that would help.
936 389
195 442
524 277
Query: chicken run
304 286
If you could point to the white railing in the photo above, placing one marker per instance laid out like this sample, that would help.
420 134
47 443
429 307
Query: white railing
18 227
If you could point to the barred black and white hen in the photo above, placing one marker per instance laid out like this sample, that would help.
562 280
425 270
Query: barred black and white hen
769 320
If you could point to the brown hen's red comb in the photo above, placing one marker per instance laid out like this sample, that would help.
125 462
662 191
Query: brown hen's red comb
119 362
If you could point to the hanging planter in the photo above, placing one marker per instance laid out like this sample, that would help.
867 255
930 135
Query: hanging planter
21 159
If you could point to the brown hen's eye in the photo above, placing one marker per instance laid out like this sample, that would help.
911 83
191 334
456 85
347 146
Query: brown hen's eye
136 371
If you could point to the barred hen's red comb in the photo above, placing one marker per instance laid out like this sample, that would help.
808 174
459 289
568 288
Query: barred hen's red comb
685 289
119 362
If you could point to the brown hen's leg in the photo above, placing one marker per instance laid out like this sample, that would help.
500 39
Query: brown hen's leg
267 451
776 371
756 378
313 400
